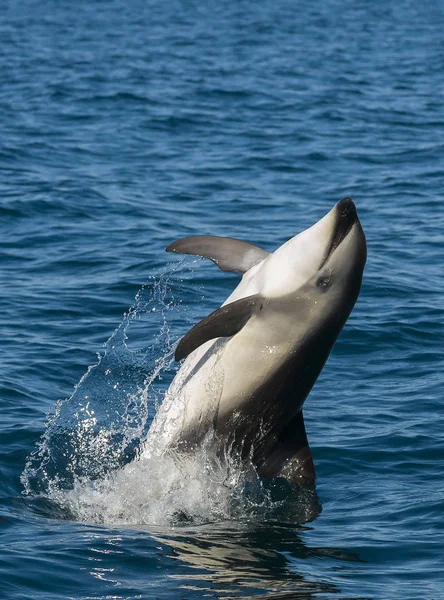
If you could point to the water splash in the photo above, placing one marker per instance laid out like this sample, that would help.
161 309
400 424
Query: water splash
98 461
99 428
172 489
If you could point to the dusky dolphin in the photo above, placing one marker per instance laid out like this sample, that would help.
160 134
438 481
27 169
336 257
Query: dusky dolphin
250 364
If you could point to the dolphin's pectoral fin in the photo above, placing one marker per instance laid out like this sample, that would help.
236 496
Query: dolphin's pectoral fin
300 469
223 322
229 254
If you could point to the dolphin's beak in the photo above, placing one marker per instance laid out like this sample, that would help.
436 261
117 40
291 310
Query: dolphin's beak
345 217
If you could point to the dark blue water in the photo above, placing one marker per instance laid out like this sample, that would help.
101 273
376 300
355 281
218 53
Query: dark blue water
126 125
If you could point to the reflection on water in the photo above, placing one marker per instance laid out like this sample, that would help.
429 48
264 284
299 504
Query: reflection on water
257 561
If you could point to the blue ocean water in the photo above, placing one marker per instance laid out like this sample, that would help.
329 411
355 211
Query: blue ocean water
127 125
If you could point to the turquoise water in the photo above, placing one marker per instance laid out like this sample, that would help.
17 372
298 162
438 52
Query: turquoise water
126 125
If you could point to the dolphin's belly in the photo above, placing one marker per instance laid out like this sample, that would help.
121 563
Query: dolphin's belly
194 397
220 385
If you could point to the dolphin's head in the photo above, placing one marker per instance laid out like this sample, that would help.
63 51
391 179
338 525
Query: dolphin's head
336 278
318 273
328 257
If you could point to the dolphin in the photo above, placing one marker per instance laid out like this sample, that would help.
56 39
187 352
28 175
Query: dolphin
251 364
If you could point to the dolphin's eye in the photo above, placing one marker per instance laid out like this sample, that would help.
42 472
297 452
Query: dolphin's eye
323 282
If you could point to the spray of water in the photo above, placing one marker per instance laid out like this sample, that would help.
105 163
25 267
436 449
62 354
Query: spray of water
99 461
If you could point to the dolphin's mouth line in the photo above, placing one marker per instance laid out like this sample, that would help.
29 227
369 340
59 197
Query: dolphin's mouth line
346 218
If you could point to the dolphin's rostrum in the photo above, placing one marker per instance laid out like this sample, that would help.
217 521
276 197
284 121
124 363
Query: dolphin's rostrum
250 364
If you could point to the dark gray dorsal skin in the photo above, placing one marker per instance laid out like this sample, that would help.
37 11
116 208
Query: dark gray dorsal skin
223 322
300 469
269 404
292 441
229 254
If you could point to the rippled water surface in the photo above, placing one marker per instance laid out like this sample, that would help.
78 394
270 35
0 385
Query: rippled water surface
127 125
